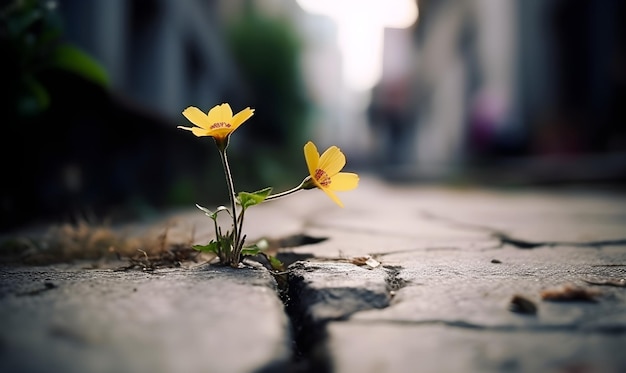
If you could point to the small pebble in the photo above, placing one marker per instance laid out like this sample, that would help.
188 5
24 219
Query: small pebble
520 304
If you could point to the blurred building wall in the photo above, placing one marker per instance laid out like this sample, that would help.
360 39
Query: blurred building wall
500 80
464 77
482 79
164 55
112 150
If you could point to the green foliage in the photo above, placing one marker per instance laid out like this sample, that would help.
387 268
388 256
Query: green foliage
72 59
213 214
267 51
222 247
31 44
246 199
211 247
255 249
229 249
250 251
260 248
276 264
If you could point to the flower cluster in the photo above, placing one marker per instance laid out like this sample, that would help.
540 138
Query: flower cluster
324 173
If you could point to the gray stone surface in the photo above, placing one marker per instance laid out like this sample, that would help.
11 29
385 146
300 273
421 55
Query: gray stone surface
334 291
454 261
68 319
451 261
431 348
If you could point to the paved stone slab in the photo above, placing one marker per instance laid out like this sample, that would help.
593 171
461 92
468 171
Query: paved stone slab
406 348
466 288
451 262
333 291
453 313
384 218
57 319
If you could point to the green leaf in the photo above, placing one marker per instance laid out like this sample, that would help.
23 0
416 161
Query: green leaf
250 251
255 249
72 59
246 199
206 210
262 244
211 247
211 214
276 264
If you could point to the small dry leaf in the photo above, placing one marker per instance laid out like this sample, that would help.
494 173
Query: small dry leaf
570 293
372 263
521 304
359 260
366 261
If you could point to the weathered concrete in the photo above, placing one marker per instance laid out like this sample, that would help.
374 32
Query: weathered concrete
453 266
454 260
57 319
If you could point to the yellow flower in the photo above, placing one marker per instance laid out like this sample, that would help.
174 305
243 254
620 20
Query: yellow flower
325 173
219 123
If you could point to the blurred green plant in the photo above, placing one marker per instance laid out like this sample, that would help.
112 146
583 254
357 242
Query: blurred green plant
31 44
267 51
39 73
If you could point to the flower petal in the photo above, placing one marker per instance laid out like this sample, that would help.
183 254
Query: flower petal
241 117
312 158
201 132
220 114
332 196
197 117
344 181
332 161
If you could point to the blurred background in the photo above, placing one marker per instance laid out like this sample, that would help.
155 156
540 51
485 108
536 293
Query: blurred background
494 92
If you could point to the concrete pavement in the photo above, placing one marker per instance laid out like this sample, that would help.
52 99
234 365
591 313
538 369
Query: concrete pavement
458 279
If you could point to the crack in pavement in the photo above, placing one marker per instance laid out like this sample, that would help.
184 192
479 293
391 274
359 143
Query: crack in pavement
325 290
311 305
366 231
601 329
418 249
394 282
505 238
523 244
502 237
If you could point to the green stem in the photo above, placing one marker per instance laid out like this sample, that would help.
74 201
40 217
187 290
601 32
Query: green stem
217 239
231 195
243 210
287 192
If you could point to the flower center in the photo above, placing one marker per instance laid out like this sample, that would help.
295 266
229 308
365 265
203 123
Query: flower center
220 125
322 177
